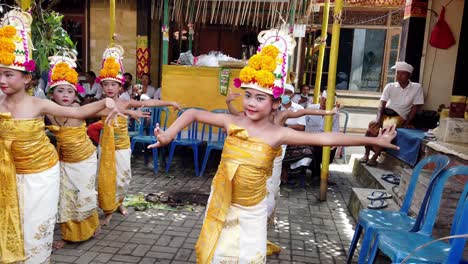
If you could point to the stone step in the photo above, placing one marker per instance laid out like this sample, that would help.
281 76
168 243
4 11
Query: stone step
358 200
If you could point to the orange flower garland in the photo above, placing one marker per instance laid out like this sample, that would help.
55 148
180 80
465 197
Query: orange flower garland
63 72
7 46
264 78
247 74
111 68
270 51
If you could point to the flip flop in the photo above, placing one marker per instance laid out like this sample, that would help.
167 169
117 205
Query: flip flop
391 178
377 204
378 195
371 163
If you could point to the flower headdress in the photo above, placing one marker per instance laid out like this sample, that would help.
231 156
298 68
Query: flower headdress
266 71
62 70
112 67
15 41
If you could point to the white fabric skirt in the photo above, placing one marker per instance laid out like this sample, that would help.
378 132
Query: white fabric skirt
38 200
244 236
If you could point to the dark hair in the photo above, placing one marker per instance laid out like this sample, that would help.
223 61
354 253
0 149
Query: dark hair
149 77
92 74
129 75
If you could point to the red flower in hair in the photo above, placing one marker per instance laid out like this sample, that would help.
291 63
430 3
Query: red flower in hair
30 65
237 82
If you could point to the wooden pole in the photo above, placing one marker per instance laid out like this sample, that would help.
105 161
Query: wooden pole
111 21
335 42
165 51
323 45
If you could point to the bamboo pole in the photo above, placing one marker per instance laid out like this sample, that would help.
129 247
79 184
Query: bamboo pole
165 51
331 93
111 21
323 45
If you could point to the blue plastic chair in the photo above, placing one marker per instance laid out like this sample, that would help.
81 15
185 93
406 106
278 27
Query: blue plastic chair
145 134
189 136
371 220
215 141
399 244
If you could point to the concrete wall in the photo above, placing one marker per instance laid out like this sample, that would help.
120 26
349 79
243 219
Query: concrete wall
125 27
439 65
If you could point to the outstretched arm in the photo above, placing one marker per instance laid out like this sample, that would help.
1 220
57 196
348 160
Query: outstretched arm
152 102
229 98
292 137
82 112
189 116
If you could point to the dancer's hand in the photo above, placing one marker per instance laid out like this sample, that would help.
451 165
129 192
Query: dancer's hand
336 109
231 96
114 112
137 114
385 137
175 105
162 137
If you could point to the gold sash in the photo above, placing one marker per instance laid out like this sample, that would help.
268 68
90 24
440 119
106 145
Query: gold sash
241 178
73 143
24 149
113 138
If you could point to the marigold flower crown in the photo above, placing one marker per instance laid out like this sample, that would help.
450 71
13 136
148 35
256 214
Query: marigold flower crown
112 67
266 71
62 70
15 41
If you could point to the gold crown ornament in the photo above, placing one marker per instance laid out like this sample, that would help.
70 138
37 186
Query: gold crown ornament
62 70
267 70
15 41
112 67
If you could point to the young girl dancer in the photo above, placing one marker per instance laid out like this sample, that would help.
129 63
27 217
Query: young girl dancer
114 173
29 170
235 225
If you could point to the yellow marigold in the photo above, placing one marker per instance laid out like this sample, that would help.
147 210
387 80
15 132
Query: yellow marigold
112 73
103 73
72 77
255 61
268 63
264 78
247 74
109 62
270 51
6 58
9 31
6 44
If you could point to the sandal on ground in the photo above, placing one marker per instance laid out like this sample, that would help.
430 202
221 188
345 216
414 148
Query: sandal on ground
371 163
377 204
391 178
377 195
152 198
363 160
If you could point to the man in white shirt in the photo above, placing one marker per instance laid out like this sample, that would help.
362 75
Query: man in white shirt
296 156
303 98
399 104
95 89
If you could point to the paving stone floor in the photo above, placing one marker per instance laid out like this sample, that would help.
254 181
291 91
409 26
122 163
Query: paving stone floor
309 231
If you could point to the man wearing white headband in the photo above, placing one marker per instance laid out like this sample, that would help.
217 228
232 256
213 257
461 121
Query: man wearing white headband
399 104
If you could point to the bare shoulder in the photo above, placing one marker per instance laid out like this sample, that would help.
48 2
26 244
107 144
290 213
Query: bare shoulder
75 105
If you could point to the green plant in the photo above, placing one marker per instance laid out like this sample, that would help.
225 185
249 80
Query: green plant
48 35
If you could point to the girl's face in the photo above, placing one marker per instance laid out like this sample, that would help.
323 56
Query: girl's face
111 88
13 81
258 105
64 95
145 79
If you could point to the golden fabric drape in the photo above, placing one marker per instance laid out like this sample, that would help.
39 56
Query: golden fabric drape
245 165
73 143
80 231
24 149
112 139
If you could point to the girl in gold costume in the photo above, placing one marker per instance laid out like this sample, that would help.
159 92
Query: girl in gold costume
77 212
235 225
29 169
114 172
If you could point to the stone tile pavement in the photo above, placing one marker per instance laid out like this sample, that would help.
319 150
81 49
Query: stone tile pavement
309 231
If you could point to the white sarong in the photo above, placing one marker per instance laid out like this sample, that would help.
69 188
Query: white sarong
243 237
124 172
38 195
273 185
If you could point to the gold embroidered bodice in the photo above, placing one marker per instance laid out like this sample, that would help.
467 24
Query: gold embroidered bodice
24 149
73 143
246 163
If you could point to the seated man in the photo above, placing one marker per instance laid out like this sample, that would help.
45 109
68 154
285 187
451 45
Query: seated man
296 156
303 98
315 124
399 104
